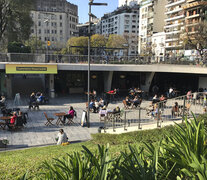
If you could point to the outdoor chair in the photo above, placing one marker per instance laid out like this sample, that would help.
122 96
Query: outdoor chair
49 120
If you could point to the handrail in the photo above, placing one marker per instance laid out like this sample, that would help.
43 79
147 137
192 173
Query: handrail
95 59
186 104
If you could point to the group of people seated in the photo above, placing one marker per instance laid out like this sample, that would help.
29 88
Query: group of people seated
104 111
157 99
136 92
36 99
17 119
132 101
95 105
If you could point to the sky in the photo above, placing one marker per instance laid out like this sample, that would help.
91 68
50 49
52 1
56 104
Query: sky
98 11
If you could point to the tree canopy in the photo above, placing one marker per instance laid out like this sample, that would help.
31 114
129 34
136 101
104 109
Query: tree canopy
198 39
15 20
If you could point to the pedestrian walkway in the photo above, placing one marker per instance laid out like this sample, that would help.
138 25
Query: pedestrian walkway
37 134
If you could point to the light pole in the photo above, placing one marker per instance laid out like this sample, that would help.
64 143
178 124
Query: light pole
91 3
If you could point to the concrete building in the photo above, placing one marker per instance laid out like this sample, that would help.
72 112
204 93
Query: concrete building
128 2
123 21
54 21
174 26
158 46
151 21
195 12
95 27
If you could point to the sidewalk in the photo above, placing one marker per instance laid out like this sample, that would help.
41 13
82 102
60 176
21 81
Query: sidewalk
37 134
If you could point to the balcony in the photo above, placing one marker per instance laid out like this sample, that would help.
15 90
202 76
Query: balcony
174 3
174 18
174 25
171 40
173 32
173 11
193 16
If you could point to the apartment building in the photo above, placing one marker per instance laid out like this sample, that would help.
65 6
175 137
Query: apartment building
54 22
151 21
174 26
128 2
123 21
195 13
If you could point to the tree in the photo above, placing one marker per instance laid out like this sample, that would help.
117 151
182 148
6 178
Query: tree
35 44
15 20
5 13
98 41
77 45
115 41
197 39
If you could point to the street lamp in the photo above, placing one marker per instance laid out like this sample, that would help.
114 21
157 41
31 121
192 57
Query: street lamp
91 3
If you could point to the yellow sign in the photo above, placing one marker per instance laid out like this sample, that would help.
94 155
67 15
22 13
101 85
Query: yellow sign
30 69
48 43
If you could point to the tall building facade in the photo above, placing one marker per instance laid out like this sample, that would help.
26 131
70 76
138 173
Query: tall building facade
55 22
174 26
195 13
151 20
128 2
123 21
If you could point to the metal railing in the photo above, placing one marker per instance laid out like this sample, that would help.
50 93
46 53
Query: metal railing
164 112
95 59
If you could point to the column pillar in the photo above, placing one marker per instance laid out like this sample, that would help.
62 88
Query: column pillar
108 76
148 81
51 86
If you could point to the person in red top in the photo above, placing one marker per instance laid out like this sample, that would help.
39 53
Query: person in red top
12 120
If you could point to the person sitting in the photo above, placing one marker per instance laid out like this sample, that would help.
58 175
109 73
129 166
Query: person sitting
101 102
92 106
103 111
40 98
96 104
128 102
2 101
32 100
71 114
175 110
13 119
155 99
62 137
136 101
116 110
155 110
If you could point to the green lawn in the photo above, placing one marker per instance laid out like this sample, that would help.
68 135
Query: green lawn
14 164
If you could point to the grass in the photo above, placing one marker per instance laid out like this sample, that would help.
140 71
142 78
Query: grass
13 164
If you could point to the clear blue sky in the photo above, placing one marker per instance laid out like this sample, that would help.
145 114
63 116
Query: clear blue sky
98 11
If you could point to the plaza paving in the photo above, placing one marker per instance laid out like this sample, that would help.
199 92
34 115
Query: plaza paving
35 133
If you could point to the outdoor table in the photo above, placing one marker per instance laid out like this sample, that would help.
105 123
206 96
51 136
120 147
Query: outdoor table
60 116
6 119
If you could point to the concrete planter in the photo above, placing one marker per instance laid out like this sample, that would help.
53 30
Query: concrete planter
2 145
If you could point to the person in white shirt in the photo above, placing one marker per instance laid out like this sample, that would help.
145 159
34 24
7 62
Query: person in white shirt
62 137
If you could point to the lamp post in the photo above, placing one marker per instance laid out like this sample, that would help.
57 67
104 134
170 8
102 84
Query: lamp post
91 3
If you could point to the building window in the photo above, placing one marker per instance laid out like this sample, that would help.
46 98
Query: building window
60 17
61 24
39 31
39 23
61 31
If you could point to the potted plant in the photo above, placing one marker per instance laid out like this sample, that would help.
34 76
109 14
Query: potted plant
3 143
